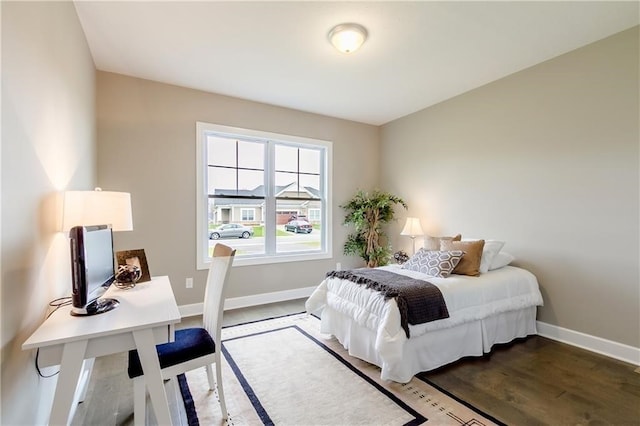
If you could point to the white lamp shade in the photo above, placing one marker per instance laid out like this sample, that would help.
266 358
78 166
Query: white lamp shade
85 208
347 38
412 228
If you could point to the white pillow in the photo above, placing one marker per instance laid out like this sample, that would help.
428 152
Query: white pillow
501 260
489 251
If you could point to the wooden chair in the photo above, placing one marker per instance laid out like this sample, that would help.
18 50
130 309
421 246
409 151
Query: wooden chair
193 347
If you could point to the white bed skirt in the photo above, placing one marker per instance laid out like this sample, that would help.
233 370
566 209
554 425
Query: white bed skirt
435 348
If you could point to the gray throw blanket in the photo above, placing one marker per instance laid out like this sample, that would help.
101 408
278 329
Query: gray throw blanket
419 301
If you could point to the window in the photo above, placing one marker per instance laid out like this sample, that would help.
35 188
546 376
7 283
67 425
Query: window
314 215
248 215
260 183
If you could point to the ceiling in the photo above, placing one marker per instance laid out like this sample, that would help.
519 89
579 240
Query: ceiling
417 53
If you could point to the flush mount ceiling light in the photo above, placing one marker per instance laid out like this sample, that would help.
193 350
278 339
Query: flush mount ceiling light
347 38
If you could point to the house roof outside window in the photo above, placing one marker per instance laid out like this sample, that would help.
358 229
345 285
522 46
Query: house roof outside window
258 191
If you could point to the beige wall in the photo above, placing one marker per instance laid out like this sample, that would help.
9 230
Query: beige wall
547 160
48 145
147 146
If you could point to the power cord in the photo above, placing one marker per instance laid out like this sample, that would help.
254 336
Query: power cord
55 304
38 367
58 303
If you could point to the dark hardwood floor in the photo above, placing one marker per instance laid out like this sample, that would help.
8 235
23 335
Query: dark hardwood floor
535 381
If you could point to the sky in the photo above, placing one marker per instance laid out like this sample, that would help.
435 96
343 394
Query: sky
251 155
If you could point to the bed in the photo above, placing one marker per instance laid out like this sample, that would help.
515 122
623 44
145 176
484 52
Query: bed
495 307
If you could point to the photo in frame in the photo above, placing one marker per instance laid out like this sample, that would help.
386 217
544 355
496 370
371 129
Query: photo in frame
135 257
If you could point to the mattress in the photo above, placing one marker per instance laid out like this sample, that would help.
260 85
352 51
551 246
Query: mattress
469 300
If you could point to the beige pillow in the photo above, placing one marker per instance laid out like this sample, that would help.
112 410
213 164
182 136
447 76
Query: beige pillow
470 262
433 243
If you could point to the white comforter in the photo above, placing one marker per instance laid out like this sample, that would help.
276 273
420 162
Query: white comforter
467 299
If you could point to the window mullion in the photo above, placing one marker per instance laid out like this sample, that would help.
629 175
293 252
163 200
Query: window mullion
298 170
270 201
324 214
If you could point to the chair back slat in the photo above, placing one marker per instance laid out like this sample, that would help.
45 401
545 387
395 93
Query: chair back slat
214 294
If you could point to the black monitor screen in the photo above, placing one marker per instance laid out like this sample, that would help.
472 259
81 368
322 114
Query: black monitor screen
92 262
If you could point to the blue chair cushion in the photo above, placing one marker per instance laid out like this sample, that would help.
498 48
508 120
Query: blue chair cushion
190 343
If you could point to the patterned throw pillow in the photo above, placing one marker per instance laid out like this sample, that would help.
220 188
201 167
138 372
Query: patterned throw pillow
434 263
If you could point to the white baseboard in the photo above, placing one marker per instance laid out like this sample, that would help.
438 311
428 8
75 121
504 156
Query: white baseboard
190 310
253 300
591 343
595 344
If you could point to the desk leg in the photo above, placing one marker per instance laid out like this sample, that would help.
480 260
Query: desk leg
72 357
145 344
87 368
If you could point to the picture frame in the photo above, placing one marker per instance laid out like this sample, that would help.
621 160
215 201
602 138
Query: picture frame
135 257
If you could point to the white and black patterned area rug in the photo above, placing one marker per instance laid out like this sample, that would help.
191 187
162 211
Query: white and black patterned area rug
282 371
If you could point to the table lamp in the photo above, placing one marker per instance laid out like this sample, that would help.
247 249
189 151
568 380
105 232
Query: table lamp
90 217
413 229
98 207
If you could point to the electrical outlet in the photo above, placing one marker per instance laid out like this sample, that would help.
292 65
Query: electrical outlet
338 266
189 282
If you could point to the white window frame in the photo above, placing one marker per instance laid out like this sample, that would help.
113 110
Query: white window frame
314 210
247 209
269 212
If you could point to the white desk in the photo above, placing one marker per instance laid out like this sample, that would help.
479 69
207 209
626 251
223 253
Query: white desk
146 317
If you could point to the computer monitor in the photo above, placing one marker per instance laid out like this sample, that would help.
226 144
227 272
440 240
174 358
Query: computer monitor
92 269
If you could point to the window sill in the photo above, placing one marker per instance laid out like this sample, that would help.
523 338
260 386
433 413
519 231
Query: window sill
268 260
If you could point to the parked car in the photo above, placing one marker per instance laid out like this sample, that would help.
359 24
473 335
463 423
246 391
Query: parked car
230 230
298 226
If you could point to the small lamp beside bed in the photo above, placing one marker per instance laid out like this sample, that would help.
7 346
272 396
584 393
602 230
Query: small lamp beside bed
413 229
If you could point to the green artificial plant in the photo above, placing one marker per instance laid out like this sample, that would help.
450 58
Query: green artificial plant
368 213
